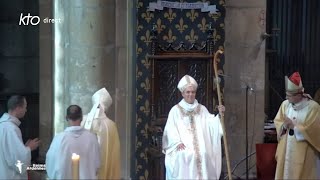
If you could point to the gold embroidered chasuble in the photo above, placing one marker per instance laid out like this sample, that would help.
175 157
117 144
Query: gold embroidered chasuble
297 156
193 131
201 134
107 134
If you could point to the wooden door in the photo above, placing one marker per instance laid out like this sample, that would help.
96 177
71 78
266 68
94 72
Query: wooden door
167 76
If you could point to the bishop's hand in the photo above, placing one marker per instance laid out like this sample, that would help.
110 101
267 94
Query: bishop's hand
221 109
181 147
288 123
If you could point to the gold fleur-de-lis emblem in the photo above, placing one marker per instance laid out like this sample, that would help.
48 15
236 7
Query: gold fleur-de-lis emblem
146 108
145 131
222 25
147 38
160 26
139 5
170 15
146 172
169 38
216 36
147 16
138 50
146 85
138 97
138 73
138 166
138 143
192 37
181 27
192 15
203 26
216 16
146 62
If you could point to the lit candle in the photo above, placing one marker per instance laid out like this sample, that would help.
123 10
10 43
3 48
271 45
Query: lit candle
75 165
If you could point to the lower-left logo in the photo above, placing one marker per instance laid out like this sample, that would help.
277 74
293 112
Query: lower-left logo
19 165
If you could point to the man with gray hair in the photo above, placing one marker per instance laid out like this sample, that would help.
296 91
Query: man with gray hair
192 137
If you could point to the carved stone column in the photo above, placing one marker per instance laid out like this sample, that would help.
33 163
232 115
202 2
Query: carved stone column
245 65
84 54
45 80
124 74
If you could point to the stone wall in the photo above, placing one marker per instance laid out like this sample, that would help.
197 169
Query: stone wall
245 65
93 49
19 49
84 59
45 82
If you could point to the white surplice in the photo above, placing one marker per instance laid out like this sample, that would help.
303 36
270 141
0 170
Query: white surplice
14 155
200 132
77 140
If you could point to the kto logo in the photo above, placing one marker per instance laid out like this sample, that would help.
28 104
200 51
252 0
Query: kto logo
25 20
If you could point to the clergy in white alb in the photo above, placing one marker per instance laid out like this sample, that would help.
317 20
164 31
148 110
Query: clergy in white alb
107 132
15 156
74 139
192 138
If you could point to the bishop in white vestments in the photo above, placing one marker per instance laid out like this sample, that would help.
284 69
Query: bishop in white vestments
74 139
192 137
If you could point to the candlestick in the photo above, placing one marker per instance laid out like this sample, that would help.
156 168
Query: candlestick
75 166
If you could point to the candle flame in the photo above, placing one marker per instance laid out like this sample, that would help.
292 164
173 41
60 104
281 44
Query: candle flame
75 156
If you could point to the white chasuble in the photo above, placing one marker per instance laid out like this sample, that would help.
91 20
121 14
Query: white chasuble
200 132
77 140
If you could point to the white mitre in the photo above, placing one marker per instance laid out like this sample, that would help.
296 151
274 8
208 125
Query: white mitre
101 101
293 84
187 81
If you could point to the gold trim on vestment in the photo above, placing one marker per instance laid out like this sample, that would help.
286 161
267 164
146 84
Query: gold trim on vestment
191 115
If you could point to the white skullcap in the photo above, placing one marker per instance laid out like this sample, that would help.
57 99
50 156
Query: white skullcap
187 81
